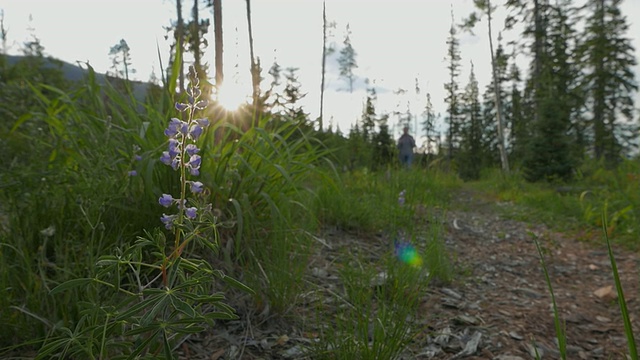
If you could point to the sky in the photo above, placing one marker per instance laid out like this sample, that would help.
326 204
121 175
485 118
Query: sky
398 43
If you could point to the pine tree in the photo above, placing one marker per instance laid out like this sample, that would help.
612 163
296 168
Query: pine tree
292 95
383 145
196 41
121 56
608 56
485 7
368 119
490 134
347 60
515 118
452 88
549 154
429 123
470 156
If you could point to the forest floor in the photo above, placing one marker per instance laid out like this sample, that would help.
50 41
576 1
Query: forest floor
498 305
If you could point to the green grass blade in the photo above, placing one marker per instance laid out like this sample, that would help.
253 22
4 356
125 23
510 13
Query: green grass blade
633 352
560 331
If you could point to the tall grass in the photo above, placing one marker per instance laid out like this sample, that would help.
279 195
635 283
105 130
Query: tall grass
68 199
71 199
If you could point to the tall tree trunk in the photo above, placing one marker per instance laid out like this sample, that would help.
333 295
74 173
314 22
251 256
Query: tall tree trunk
196 41
324 63
180 43
255 72
217 27
503 152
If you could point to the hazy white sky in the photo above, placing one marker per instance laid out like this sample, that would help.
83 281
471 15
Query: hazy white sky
396 41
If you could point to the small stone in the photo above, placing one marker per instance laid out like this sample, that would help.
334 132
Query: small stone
593 267
295 352
529 292
321 273
379 279
466 320
606 293
515 335
451 293
603 319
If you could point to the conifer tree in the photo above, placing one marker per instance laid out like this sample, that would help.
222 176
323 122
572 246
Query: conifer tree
383 144
429 123
121 56
452 91
470 156
368 119
514 116
549 155
347 60
608 57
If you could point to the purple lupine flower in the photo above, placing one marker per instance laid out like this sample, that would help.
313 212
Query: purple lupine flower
195 131
196 187
172 128
181 107
166 200
175 163
192 149
174 148
195 161
166 158
132 173
167 220
137 158
401 199
191 212
194 92
204 122
194 171
201 104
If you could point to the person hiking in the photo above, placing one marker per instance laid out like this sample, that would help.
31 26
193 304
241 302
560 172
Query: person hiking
406 143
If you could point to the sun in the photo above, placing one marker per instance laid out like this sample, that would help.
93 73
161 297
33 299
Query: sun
232 95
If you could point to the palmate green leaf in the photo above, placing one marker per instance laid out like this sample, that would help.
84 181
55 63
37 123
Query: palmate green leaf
46 351
194 329
127 315
237 284
218 315
138 350
204 299
166 346
73 283
160 305
182 307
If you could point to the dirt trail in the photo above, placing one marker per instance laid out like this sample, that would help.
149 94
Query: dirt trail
498 307
505 297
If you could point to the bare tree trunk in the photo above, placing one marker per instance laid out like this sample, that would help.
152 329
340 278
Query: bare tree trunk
255 71
180 43
324 63
217 27
196 41
496 90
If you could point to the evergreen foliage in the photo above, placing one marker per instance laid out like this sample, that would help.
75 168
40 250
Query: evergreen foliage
452 117
607 55
347 60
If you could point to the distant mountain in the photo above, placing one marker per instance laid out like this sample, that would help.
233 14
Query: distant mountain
76 73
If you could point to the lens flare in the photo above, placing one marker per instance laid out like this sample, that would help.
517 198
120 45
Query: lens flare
408 254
